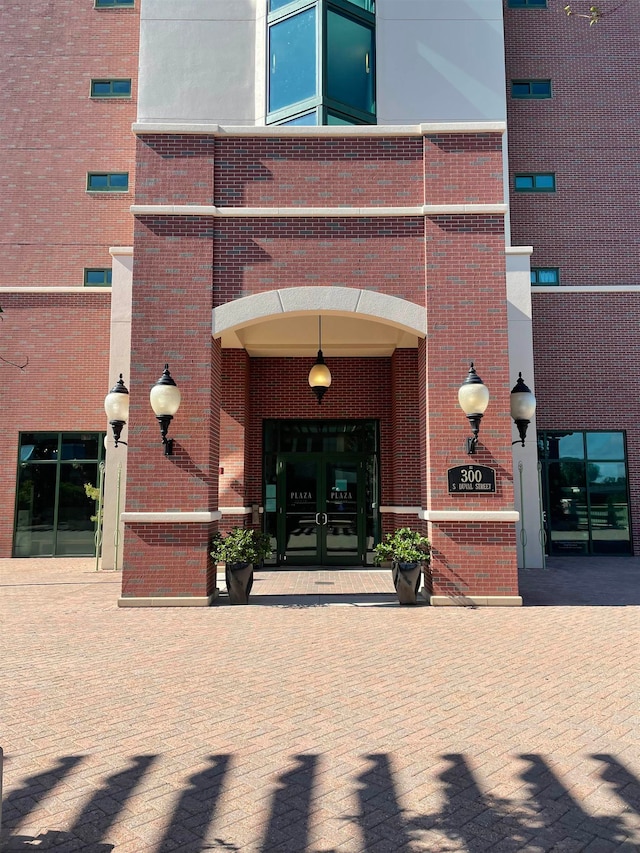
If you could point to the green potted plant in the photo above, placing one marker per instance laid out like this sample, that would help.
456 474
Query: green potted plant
409 552
241 549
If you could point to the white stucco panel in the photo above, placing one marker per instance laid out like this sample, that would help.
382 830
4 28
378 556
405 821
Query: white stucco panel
440 60
211 76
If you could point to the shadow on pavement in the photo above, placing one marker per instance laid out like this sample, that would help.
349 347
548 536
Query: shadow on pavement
546 815
583 581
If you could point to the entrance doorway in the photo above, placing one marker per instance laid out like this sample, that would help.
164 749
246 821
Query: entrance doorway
321 492
321 511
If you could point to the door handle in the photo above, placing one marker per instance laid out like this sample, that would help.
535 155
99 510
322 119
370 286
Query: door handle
318 522
322 522
326 517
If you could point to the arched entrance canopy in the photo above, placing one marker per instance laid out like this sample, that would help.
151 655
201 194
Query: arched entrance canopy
347 301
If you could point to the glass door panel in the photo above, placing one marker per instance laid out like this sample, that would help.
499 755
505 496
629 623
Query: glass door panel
35 516
321 510
340 541
301 516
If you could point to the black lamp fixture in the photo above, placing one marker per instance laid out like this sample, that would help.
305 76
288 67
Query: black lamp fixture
116 406
473 396
523 407
165 401
319 375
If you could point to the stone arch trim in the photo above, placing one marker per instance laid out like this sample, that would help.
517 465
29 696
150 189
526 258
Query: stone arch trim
390 310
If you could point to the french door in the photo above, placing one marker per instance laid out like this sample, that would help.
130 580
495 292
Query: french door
321 509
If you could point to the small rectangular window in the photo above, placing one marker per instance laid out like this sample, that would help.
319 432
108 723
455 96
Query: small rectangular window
109 4
111 88
544 182
529 4
94 277
531 88
108 182
545 275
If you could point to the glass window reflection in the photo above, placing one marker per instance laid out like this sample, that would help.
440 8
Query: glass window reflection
605 445
350 58
585 495
292 60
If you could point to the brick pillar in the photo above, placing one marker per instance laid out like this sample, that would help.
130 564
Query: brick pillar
171 511
234 443
473 535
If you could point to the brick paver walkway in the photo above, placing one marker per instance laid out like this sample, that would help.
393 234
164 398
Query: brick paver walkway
293 725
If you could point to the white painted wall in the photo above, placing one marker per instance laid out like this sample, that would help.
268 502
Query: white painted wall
204 61
119 362
198 61
525 459
440 60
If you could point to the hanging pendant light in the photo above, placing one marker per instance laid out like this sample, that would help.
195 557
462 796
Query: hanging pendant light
319 375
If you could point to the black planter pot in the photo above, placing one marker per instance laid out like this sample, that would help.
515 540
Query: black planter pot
406 580
239 578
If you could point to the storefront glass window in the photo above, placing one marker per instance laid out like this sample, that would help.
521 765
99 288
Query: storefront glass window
53 512
584 477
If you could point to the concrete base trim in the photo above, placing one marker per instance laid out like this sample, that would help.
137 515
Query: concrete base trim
169 601
435 515
170 517
140 128
475 601
211 210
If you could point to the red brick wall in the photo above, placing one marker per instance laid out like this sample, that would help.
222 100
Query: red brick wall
585 133
467 321
360 388
455 263
66 339
171 322
405 431
297 172
168 560
234 426
253 255
588 381
52 133
474 559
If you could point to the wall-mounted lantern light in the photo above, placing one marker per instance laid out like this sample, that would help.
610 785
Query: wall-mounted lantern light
319 375
116 405
165 401
523 407
473 396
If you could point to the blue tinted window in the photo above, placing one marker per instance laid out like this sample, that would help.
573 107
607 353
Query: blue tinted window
531 88
334 118
119 181
97 277
108 181
367 5
545 182
350 57
542 182
605 445
292 60
524 182
110 88
545 275
307 119
105 3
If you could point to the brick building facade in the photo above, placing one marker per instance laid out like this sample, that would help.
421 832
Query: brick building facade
234 236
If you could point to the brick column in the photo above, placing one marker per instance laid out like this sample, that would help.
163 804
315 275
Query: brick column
172 501
473 535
